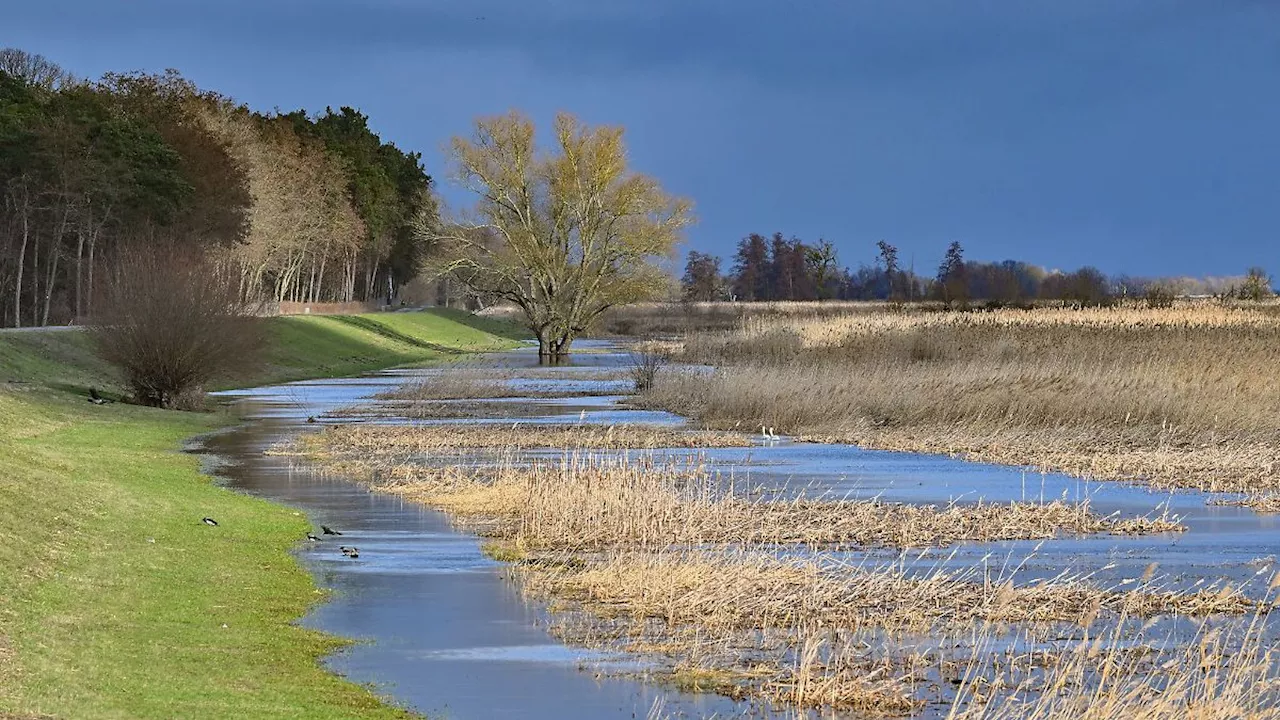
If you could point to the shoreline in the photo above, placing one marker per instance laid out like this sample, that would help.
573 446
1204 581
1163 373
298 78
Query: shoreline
116 582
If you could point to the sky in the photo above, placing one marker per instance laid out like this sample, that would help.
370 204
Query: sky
1138 136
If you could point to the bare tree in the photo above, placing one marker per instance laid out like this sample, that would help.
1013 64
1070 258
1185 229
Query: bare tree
33 69
564 236
171 324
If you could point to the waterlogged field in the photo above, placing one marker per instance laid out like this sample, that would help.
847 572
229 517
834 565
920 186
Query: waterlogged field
799 577
1177 397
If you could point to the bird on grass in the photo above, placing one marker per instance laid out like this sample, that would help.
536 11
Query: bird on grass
95 398
350 551
326 530
312 537
209 521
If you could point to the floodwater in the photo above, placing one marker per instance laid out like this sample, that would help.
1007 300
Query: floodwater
444 632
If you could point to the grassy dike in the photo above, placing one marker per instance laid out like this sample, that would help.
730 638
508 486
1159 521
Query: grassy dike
115 600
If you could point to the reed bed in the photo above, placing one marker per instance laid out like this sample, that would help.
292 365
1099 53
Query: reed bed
440 410
467 384
1175 397
458 383
374 441
1269 504
801 667
736 589
809 633
587 501
746 591
1225 673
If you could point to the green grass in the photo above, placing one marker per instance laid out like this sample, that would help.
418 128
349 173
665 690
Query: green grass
299 347
98 621
338 345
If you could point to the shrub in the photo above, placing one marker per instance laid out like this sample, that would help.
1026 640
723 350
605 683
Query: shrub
644 368
171 323
1159 296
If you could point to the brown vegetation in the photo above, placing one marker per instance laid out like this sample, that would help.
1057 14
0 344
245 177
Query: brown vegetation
623 548
478 384
1225 673
1172 397
171 325
719 591
389 444
589 503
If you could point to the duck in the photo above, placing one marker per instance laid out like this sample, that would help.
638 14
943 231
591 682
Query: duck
209 521
312 537
350 551
326 530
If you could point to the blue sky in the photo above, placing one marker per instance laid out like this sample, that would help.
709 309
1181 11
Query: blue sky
1140 136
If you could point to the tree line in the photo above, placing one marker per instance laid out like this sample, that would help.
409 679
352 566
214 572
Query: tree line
779 268
284 206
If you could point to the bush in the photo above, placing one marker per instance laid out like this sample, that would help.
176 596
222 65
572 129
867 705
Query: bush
172 323
644 368
1159 296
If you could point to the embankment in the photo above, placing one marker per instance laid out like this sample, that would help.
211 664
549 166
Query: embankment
115 599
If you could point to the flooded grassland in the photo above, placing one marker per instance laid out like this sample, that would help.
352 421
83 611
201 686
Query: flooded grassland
577 558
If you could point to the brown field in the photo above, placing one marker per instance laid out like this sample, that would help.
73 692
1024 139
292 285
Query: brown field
1185 396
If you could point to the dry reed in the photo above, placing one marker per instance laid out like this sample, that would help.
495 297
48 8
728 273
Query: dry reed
587 501
1175 397
382 442
1224 673
743 591
625 543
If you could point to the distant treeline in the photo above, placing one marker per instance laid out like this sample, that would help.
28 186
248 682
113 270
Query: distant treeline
781 268
292 207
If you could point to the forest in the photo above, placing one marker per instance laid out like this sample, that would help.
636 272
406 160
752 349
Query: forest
780 268
289 206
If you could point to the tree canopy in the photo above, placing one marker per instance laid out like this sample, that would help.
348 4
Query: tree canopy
563 235
295 207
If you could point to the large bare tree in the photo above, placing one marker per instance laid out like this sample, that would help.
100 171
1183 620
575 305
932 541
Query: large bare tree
564 235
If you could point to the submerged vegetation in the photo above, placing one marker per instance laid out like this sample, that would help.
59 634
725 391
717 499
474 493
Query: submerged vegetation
747 592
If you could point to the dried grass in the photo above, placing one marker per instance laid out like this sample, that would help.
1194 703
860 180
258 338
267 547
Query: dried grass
1225 673
488 384
1175 397
387 442
587 501
744 591
624 546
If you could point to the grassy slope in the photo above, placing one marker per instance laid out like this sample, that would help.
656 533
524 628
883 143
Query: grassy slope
301 347
96 620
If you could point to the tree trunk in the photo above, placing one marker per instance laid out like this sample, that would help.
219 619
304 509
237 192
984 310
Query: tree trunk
553 347
35 282
48 285
79 311
22 261
93 244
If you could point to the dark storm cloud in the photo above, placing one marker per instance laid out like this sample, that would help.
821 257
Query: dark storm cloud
1135 135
